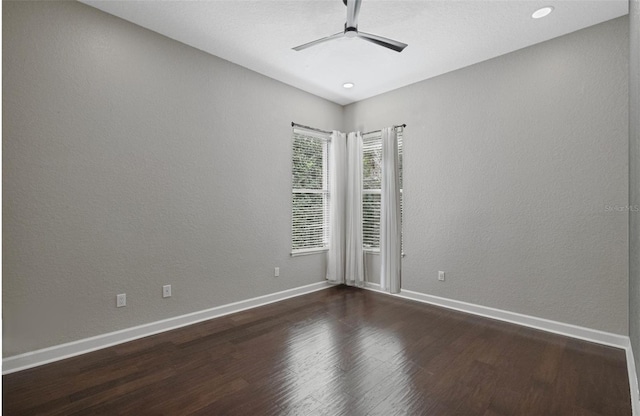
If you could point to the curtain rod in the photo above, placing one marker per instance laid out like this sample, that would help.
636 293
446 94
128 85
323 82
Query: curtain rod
328 132
310 128
376 131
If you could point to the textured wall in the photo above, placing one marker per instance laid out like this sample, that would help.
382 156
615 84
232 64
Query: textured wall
634 178
510 166
132 161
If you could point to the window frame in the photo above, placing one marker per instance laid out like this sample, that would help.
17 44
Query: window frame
324 191
377 136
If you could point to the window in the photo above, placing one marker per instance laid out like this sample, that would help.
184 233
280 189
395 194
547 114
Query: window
371 190
310 192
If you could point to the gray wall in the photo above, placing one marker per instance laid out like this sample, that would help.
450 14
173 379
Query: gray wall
634 179
132 161
510 166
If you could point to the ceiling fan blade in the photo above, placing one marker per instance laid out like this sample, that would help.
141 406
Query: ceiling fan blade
379 40
353 10
318 41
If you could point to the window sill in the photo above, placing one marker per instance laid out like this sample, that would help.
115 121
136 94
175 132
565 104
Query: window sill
308 251
376 251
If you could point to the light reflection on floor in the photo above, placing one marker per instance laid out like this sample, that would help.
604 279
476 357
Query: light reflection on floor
364 365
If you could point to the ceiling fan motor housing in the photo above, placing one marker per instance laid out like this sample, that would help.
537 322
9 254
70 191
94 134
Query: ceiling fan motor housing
350 32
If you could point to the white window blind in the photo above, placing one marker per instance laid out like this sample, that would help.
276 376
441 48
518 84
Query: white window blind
310 191
371 192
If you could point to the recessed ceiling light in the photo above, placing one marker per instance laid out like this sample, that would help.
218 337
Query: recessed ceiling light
542 12
348 85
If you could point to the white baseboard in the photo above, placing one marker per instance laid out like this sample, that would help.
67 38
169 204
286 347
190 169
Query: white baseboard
633 380
71 349
375 287
573 331
570 330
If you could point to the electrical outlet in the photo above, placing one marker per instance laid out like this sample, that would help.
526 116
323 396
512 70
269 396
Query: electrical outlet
441 276
121 300
166 291
276 272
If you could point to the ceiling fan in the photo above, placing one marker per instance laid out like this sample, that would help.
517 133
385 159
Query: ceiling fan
351 31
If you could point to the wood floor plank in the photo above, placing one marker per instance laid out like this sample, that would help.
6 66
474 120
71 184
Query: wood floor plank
340 351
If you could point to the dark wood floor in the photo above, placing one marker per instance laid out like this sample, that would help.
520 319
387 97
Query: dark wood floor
340 351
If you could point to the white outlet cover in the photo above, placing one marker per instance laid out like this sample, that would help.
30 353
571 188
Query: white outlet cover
441 276
166 291
121 300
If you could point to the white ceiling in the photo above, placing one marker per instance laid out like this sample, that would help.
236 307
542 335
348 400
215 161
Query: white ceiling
442 35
